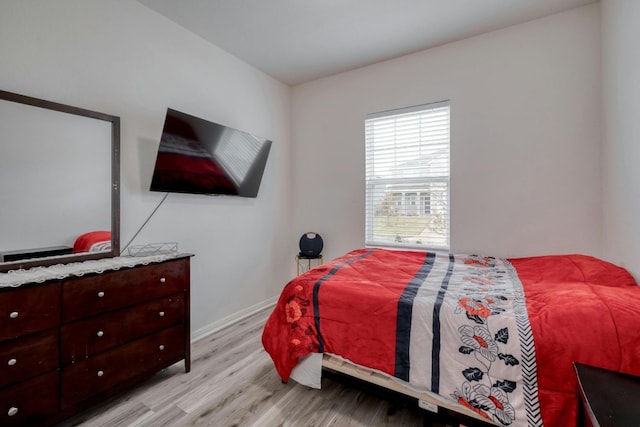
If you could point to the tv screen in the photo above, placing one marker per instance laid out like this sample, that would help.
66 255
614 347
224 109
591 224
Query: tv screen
201 157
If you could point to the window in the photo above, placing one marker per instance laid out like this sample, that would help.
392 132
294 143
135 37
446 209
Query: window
407 177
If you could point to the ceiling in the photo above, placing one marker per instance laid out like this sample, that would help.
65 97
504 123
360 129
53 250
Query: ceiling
296 41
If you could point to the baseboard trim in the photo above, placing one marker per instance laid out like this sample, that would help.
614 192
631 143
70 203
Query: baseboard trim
230 320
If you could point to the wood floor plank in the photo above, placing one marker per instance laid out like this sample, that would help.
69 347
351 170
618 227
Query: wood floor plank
233 383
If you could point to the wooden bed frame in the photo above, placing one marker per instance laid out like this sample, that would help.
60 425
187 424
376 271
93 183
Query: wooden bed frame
425 400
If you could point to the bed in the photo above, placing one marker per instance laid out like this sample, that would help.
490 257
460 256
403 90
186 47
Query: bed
183 165
93 241
487 337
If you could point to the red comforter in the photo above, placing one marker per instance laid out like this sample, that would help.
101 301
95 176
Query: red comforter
183 173
580 309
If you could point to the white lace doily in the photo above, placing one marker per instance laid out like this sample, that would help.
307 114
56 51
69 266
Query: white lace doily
14 278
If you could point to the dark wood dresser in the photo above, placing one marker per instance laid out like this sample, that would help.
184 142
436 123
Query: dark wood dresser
607 398
70 343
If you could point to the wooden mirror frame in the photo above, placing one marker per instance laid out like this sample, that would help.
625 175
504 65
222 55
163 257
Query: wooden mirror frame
115 183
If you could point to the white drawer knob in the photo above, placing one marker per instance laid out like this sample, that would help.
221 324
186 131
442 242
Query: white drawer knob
161 314
12 362
162 280
100 373
100 333
161 347
100 294
12 411
13 314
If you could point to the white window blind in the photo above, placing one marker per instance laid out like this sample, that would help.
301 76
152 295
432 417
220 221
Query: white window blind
407 177
236 152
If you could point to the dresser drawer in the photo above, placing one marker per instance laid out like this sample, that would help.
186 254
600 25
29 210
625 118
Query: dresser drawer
32 309
30 402
27 357
147 355
87 296
90 336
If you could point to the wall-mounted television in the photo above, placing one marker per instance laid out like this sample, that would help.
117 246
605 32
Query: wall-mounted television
202 157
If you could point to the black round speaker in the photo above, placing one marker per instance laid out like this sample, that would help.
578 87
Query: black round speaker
311 245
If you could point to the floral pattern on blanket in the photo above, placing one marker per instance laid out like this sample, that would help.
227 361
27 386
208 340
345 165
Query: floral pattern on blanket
482 389
298 317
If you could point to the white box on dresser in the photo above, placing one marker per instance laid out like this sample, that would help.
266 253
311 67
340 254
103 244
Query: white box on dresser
73 335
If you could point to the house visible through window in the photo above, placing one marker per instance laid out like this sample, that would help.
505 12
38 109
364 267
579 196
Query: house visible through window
407 177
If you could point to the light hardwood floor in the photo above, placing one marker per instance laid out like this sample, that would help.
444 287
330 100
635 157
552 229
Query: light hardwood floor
233 383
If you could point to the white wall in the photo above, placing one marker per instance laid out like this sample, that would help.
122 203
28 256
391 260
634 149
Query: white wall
525 138
621 132
121 58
